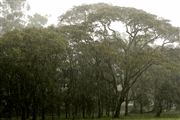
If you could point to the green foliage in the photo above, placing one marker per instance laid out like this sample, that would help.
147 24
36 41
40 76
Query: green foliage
29 62
87 68
37 20
134 54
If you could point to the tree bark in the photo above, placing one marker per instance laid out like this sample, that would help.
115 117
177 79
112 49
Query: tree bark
159 110
83 112
141 107
43 114
99 108
59 112
52 115
34 107
23 113
23 116
126 106
118 108
66 109
34 114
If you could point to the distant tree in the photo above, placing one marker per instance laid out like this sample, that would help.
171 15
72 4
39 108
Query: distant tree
37 20
12 13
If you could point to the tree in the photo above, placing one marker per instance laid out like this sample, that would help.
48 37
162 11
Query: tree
136 51
37 20
159 84
12 14
29 62
165 91
87 67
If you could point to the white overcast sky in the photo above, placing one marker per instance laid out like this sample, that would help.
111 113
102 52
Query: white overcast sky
168 9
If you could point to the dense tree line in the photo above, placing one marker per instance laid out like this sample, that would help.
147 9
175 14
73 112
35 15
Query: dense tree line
89 67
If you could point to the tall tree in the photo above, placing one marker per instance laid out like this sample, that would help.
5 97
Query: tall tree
136 51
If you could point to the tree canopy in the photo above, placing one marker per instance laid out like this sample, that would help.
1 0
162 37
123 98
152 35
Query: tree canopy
98 59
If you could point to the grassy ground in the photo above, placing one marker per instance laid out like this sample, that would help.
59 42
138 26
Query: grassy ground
165 116
151 117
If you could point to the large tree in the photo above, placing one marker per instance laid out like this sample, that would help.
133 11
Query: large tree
135 39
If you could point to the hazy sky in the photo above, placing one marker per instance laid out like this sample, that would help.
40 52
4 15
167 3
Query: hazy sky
168 9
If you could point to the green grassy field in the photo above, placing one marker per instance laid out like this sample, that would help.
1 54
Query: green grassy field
164 116
169 116
137 119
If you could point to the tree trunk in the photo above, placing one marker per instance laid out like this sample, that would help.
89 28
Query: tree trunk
66 109
43 114
23 114
34 113
34 107
118 108
59 112
158 113
17 114
126 106
141 108
99 108
83 108
159 110
52 115
27 112
9 111
107 110
66 114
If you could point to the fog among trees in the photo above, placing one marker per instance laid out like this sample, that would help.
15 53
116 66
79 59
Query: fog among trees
100 61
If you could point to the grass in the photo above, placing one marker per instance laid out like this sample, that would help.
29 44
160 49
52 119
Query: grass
164 116
149 116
